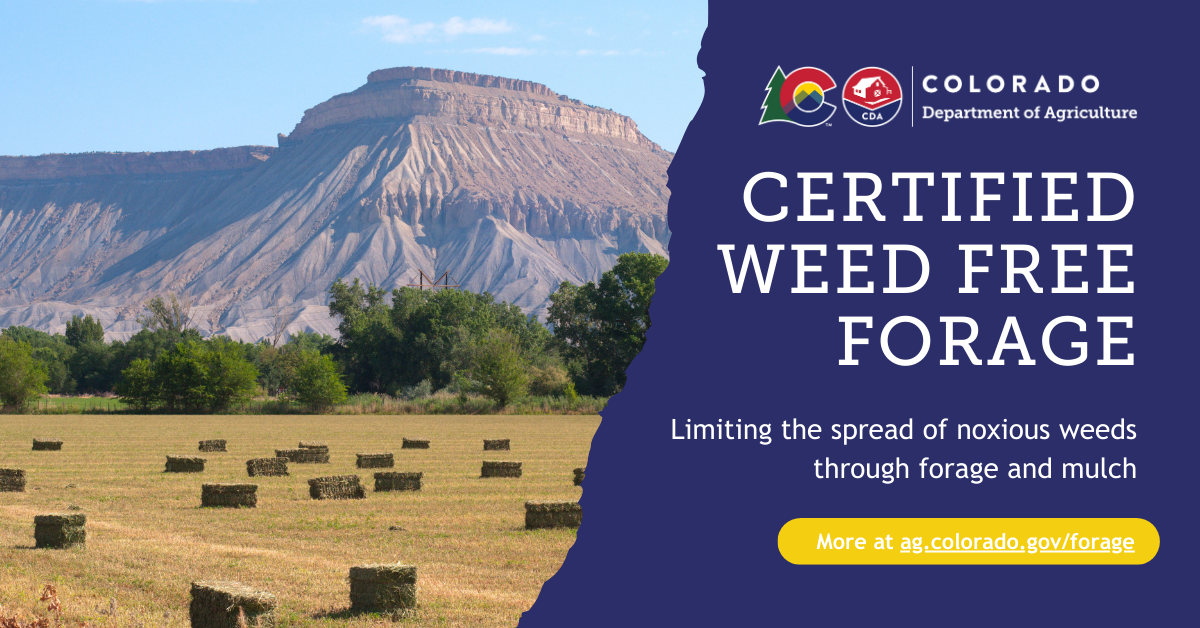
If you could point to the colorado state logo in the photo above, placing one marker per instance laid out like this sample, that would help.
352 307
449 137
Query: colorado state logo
799 98
872 97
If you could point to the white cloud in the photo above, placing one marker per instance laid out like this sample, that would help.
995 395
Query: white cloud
502 51
476 26
401 30
588 52
536 37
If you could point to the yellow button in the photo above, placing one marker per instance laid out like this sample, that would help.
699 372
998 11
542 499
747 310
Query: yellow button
968 541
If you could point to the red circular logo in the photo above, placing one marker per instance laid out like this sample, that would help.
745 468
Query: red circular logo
872 97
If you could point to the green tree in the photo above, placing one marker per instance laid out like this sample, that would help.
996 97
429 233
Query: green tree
149 344
440 327
275 365
54 360
229 377
497 367
22 377
90 362
180 376
138 385
311 341
317 382
170 313
91 366
52 352
369 345
84 331
602 326
194 376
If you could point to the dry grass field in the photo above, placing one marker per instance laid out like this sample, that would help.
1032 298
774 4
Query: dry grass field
148 538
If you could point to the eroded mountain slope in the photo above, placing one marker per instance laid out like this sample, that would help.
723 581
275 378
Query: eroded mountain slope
504 184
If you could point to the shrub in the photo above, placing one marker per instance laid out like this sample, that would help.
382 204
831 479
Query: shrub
22 377
498 368
317 382
549 381
416 391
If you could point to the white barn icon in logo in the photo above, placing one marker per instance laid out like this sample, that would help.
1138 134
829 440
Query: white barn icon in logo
872 89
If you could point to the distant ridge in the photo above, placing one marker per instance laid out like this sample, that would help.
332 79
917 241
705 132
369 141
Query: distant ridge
61 166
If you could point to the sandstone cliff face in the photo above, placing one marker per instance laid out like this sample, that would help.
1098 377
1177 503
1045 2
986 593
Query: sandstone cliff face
460 78
472 98
506 185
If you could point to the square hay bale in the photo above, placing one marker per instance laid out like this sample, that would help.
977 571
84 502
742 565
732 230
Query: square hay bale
303 456
212 445
407 443
579 476
314 444
60 531
494 469
496 445
217 604
47 444
184 464
229 495
375 461
336 487
397 481
12 480
552 515
267 466
382 588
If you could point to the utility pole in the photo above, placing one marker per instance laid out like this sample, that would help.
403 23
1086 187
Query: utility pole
424 281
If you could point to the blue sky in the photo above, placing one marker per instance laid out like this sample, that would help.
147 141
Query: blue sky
135 75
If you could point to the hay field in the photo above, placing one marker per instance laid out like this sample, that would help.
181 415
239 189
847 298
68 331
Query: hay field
148 538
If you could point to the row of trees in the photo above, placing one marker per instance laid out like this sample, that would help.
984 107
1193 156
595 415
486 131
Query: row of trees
176 371
79 361
420 341
216 374
407 343
165 366
469 342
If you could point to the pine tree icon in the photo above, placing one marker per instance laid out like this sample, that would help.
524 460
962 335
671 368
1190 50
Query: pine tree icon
772 107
